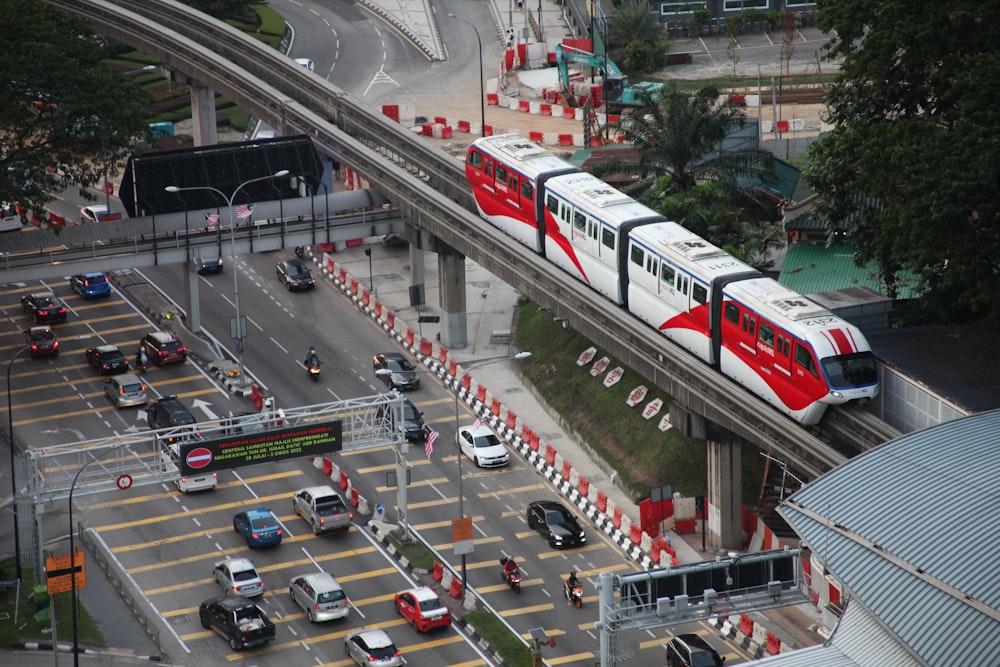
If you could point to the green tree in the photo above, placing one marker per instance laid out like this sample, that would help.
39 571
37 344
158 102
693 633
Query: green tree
65 115
635 39
910 170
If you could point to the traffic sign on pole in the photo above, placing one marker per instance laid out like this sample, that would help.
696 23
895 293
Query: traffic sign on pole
59 576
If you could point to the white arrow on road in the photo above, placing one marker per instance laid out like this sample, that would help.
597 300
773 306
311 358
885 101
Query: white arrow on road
203 406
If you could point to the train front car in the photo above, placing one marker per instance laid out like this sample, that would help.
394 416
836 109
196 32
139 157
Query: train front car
507 174
792 352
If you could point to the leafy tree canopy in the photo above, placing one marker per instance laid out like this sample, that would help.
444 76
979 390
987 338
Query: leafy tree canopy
64 114
912 168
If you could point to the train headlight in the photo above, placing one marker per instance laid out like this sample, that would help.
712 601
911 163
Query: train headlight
836 394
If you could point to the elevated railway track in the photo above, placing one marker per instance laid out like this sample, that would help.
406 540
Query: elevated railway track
428 186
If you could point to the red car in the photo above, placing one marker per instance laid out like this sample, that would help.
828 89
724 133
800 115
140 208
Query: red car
42 341
422 608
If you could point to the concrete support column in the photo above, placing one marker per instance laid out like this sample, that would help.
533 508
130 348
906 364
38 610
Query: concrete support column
193 301
203 112
725 489
451 282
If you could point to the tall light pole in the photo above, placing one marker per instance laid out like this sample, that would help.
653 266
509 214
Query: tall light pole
13 470
458 386
238 330
482 84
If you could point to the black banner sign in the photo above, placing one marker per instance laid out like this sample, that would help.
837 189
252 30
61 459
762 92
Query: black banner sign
201 456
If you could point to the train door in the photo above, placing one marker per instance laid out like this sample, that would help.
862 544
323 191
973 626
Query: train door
674 287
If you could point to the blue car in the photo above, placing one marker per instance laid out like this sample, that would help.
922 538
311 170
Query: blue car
90 285
259 526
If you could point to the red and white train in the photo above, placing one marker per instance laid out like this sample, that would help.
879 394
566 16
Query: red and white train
783 347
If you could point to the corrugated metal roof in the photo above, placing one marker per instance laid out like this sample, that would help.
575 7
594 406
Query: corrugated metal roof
910 529
808 269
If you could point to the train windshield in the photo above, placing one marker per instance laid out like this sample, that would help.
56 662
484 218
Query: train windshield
850 370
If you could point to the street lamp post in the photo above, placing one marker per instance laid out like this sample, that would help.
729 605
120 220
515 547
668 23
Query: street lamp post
238 330
482 85
13 470
72 551
458 386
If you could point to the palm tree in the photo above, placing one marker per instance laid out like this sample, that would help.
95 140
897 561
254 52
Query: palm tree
632 21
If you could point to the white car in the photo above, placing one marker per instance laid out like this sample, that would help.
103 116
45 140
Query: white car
482 446
238 576
307 63
93 213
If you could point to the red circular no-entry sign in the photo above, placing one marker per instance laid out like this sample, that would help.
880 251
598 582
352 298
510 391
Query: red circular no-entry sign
199 457
124 481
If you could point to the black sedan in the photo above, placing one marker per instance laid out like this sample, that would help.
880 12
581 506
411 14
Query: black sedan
396 371
108 359
44 307
295 275
209 265
556 523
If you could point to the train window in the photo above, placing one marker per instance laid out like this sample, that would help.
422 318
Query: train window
475 159
651 264
767 334
636 255
700 294
512 182
501 174
804 358
732 313
608 238
552 204
488 167
682 284
749 323
527 191
667 274
579 222
592 229
784 344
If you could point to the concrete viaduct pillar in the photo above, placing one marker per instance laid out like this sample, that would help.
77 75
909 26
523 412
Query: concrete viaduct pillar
451 287
202 108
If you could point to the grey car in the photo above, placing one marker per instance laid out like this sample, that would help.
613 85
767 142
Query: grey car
126 390
373 648
319 595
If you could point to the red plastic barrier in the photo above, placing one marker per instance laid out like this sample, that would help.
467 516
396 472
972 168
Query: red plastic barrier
495 407
616 520
438 573
635 534
773 645
391 110
567 470
456 588
426 347
595 94
452 367
427 130
390 319
569 112
565 139
343 480
535 442
526 433
355 496
686 527
746 625
378 309
550 454
738 100
466 379
493 99
354 285
545 110
343 275
488 131
523 106
440 120
331 265
538 137
480 392
602 502
511 419
327 466
782 125
409 337
551 96
670 550
584 486
365 297
447 132
614 119
654 551
463 126
443 355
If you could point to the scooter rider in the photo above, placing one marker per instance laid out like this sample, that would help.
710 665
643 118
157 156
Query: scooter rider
312 359
572 582
510 568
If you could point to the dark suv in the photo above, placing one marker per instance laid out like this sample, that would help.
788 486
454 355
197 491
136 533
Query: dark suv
413 421
162 347
692 651
169 412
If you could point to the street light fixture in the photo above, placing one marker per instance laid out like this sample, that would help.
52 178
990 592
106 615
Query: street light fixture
482 89
13 470
239 330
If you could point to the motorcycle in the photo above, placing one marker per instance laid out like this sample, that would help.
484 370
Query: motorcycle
512 578
300 252
141 363
573 595
313 368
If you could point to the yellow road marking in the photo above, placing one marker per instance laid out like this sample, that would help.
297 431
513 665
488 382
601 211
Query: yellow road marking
517 611
170 494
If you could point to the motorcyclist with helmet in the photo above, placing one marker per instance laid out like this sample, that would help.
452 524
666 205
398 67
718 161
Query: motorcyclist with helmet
312 359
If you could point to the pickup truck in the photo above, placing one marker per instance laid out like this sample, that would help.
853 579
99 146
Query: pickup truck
243 623
323 508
